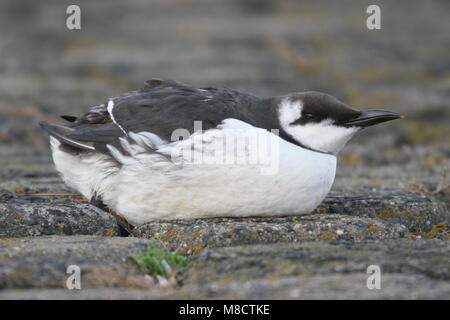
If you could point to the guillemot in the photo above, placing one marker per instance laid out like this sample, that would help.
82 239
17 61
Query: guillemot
124 153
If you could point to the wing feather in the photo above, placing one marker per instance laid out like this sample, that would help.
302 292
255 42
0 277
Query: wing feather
157 109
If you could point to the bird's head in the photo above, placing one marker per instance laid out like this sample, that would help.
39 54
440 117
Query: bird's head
320 122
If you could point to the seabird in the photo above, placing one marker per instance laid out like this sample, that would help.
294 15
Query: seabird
156 153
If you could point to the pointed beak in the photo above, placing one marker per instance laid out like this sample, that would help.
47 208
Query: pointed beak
372 117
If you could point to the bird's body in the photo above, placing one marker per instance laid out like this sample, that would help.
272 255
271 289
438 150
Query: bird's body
128 152
149 186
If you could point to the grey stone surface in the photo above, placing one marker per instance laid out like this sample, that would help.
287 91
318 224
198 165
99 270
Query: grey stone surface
191 237
417 211
337 270
41 262
334 286
86 294
344 215
35 268
22 216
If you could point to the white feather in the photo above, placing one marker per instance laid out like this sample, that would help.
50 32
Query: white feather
170 183
110 108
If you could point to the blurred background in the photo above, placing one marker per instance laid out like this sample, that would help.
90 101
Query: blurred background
264 47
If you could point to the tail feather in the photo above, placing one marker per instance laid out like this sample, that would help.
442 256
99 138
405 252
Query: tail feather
69 118
61 134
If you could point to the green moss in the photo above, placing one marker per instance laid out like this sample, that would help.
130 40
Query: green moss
16 217
440 230
170 234
192 248
321 210
175 234
372 228
389 212
326 236
110 233
194 234
151 261
19 190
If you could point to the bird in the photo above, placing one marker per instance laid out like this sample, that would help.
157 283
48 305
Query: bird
157 153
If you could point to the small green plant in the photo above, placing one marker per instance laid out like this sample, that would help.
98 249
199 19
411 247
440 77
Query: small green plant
154 261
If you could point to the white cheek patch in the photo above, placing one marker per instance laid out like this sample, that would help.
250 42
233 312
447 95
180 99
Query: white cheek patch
322 136
288 112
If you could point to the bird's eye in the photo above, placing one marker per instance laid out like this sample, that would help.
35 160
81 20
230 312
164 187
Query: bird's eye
309 115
